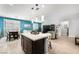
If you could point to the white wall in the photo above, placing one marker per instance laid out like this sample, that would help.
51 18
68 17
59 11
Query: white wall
65 12
74 27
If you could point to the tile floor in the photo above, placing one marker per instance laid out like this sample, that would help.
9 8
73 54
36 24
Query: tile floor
64 45
13 47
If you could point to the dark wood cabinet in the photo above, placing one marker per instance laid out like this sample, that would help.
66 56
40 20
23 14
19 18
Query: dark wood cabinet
32 47
38 46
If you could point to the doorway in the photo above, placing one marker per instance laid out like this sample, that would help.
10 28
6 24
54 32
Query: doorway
65 28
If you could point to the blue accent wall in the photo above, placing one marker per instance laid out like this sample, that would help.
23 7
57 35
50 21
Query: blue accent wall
25 25
22 23
1 27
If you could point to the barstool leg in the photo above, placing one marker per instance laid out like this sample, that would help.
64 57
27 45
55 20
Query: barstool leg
50 46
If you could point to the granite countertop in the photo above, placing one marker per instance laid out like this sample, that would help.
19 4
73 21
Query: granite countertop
36 37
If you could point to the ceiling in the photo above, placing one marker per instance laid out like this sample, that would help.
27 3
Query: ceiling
24 11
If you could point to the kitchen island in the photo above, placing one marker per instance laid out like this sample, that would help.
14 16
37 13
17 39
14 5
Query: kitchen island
34 44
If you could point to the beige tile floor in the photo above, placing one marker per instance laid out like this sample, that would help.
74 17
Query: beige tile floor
13 47
64 45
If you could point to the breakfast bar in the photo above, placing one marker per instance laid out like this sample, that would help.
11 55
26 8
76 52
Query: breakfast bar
34 43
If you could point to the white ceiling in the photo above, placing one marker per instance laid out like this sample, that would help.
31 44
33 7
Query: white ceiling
24 11
21 11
